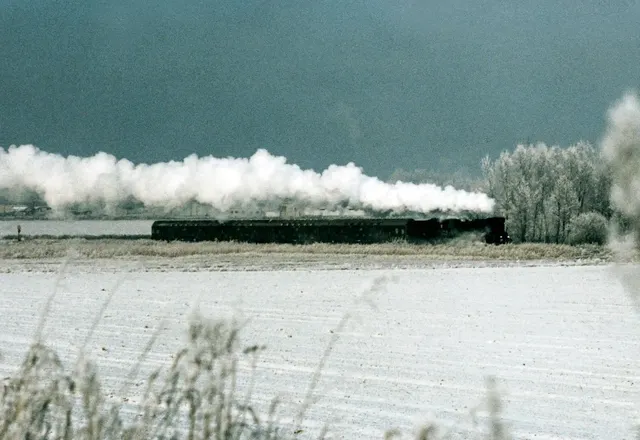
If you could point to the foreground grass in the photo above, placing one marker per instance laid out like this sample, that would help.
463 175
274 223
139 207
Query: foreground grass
195 397
45 248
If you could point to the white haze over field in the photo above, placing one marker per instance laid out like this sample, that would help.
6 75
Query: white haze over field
223 183
621 148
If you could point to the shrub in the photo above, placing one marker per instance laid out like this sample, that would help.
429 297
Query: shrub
588 228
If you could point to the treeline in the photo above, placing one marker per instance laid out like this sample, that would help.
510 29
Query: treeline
547 194
551 194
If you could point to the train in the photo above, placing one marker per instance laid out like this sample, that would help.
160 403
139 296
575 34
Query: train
329 230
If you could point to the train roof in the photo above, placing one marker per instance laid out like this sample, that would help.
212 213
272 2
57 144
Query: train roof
333 221
285 221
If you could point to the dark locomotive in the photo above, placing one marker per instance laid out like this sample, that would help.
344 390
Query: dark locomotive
329 230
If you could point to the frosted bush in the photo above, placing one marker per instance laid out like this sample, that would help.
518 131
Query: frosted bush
588 228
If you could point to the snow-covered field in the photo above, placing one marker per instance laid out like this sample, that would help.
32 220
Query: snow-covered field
562 341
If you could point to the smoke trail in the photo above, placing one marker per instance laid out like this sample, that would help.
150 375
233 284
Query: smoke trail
223 183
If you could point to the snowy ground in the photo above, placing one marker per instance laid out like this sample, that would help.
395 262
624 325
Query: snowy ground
76 227
562 341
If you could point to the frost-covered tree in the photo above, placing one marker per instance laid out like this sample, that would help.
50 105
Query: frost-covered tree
540 189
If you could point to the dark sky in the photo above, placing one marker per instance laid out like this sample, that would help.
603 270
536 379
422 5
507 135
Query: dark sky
384 83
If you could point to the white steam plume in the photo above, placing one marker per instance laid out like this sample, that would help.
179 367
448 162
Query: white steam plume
223 183
621 148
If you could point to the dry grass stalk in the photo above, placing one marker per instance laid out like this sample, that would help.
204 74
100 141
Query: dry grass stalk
196 398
